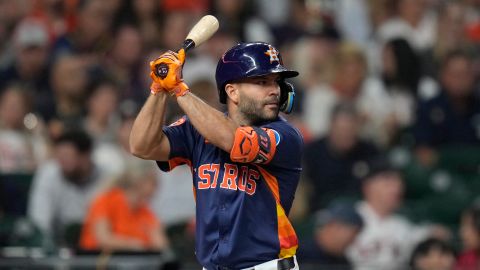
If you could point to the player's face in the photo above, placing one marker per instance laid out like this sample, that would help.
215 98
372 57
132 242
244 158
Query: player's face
259 98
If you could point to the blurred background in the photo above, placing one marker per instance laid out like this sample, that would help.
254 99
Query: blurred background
387 101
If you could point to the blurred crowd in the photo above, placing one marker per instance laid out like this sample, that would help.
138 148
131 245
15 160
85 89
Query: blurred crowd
388 102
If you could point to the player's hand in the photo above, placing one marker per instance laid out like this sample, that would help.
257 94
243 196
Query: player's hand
166 73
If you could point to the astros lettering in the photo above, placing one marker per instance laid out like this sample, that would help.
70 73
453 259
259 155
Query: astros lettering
234 178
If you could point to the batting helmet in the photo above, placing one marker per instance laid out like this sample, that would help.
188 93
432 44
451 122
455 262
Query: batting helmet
253 59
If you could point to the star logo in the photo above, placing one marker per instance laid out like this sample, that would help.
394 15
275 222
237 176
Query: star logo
273 53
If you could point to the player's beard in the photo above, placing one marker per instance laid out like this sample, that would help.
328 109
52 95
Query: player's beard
256 111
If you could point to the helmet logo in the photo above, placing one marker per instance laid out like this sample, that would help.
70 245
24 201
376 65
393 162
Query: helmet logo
273 53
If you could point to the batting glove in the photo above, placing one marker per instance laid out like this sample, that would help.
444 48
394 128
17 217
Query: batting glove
166 73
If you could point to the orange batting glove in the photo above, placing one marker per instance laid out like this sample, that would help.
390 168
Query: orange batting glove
166 73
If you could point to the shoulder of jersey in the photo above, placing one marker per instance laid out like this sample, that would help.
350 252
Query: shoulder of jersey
281 128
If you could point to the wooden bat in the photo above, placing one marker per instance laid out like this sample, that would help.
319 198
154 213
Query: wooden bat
199 33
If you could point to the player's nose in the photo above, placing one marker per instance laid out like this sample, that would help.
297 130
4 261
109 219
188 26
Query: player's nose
274 89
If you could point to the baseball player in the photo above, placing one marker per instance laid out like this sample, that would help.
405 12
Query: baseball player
245 162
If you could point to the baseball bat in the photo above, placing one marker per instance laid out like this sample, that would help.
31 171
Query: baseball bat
199 33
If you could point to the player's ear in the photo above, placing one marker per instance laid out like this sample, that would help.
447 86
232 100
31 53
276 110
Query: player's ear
232 92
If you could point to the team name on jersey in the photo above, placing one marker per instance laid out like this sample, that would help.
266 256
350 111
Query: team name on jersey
234 177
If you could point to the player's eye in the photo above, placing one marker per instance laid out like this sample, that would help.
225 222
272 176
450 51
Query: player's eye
262 82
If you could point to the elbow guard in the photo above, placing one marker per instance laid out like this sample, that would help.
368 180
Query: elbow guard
253 144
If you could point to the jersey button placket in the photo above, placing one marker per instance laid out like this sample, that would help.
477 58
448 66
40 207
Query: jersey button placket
223 225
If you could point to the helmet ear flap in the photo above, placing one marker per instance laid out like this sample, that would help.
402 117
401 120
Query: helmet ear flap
287 96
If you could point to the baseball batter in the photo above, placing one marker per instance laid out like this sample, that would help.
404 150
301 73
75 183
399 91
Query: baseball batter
245 162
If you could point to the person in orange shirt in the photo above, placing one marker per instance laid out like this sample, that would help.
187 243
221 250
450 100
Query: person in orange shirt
120 218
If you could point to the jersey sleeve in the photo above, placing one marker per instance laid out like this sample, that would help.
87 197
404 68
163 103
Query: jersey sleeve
181 137
289 145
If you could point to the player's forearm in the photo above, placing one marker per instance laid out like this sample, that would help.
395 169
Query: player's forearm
212 124
146 135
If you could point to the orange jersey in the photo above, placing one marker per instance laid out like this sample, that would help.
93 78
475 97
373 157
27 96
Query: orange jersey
124 220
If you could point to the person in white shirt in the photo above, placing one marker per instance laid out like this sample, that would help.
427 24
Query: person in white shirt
63 187
387 239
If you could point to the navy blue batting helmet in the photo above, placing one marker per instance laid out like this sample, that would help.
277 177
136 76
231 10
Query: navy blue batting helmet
253 59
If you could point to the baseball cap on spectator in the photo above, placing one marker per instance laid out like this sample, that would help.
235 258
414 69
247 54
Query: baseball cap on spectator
340 212
31 33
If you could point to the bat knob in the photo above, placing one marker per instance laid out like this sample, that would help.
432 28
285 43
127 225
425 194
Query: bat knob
161 70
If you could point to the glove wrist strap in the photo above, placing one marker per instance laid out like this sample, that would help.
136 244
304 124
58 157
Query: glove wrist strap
155 88
180 90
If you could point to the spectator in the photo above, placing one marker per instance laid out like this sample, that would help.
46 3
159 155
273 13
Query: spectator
432 254
10 14
335 229
22 143
91 37
120 218
274 12
297 23
123 63
346 83
29 67
114 155
63 187
450 118
237 17
69 81
395 91
472 18
102 120
174 28
311 55
146 17
334 164
414 22
387 239
469 259
354 20
451 34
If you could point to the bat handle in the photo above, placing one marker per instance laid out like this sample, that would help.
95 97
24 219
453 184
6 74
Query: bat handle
161 71
188 44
